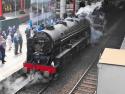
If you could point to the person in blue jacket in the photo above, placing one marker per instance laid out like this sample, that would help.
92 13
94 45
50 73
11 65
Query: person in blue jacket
30 24
16 43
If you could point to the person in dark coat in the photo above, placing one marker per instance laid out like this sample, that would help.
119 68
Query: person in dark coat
27 32
20 41
2 48
82 4
2 51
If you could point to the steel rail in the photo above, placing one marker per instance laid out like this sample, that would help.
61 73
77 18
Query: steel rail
44 89
81 78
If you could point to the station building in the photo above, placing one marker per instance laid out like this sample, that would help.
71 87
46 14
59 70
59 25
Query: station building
11 5
10 11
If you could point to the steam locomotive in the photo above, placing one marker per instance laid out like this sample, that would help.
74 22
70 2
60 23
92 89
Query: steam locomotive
47 49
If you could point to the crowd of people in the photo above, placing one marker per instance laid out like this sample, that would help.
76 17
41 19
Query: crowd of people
9 37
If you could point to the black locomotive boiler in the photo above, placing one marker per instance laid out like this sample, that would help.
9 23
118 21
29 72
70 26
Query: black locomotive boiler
47 49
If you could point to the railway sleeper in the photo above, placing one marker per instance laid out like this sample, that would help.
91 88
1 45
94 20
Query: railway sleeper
93 72
86 90
89 78
90 82
80 92
91 75
88 86
28 92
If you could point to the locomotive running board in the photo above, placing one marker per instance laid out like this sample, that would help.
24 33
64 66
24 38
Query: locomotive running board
75 33
68 50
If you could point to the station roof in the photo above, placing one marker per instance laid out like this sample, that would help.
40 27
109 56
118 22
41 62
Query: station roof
113 57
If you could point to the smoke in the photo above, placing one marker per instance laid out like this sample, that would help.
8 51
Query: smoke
4 86
35 77
86 12
96 32
13 84
95 36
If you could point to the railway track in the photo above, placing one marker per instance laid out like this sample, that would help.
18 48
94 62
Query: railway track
87 82
85 85
38 87
42 90
39 90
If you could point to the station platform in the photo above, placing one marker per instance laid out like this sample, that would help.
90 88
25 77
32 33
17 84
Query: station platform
14 18
14 62
16 14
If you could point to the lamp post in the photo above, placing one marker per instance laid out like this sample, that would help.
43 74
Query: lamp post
15 7
74 7
1 11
